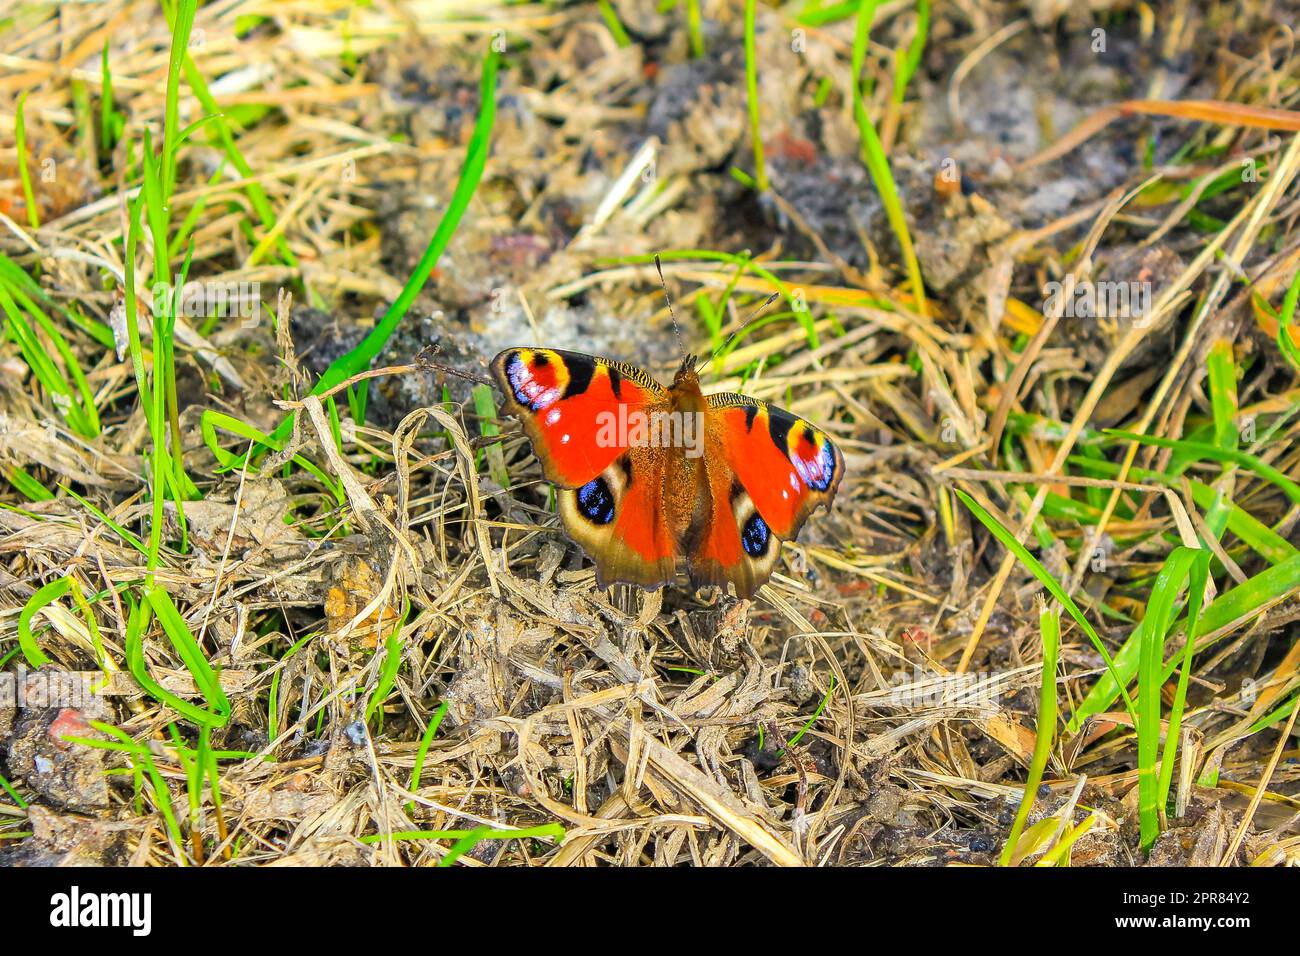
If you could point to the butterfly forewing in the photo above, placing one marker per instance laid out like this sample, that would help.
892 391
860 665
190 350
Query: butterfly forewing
560 398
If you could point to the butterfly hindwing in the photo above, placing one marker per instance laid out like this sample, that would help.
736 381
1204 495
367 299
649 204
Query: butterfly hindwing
768 470
620 519
732 544
565 401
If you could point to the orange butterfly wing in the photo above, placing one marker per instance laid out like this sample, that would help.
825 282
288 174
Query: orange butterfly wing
768 470
610 496
621 520
561 398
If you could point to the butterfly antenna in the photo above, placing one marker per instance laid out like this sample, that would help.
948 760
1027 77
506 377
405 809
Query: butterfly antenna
677 330
424 360
744 325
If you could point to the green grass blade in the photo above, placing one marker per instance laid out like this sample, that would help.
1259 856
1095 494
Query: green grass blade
423 752
7 787
468 839
74 400
873 155
392 661
1223 394
116 528
476 154
1285 344
107 126
138 618
205 678
1264 540
1198 580
486 409
144 756
211 420
907 64
1049 626
613 23
746 264
26 485
1213 452
694 28
751 90
808 724
1152 632
182 26
1045 578
24 173
1233 607
44 597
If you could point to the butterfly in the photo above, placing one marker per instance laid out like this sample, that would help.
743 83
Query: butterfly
648 477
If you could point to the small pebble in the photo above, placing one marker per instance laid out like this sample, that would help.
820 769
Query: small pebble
356 732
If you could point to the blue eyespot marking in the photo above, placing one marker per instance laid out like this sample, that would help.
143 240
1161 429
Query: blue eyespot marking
535 386
815 461
595 503
755 536
826 468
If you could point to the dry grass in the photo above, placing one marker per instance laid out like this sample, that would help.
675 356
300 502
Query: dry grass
877 703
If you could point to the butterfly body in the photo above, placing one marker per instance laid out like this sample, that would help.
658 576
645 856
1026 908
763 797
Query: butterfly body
651 477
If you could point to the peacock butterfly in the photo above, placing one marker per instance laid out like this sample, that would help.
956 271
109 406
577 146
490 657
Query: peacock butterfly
648 475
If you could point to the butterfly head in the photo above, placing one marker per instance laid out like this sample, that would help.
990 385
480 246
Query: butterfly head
686 387
686 370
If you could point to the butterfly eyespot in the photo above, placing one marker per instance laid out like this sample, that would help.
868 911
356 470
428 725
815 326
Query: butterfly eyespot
533 380
816 471
755 536
827 457
595 503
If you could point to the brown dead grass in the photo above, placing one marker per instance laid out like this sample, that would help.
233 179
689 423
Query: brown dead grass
633 718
